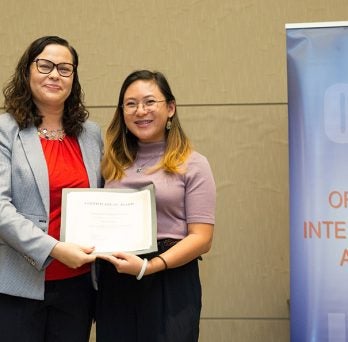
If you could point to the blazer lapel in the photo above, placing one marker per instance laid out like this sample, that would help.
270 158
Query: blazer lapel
36 159
86 155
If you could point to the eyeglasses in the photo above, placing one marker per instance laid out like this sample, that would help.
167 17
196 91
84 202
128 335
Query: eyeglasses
149 105
44 66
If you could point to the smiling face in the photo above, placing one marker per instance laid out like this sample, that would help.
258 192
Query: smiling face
147 125
51 90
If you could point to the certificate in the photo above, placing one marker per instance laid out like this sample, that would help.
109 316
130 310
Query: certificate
110 219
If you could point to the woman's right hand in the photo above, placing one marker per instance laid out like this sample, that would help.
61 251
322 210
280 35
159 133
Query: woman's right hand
72 255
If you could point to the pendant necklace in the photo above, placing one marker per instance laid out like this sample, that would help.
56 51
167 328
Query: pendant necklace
140 167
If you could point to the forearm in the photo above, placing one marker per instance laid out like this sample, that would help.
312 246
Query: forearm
197 242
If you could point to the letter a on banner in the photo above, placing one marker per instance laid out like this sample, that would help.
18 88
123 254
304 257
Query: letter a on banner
317 66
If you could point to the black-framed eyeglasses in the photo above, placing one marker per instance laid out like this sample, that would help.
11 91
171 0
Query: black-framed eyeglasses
44 66
131 106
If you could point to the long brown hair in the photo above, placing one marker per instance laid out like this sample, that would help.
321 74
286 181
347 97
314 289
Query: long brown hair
121 146
18 96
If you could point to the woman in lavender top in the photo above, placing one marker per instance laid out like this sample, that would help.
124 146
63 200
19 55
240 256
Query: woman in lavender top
156 297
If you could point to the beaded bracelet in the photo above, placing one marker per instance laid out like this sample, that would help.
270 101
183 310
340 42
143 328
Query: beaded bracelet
143 269
165 263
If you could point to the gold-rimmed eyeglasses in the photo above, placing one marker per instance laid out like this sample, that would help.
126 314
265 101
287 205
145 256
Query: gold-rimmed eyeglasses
44 66
131 106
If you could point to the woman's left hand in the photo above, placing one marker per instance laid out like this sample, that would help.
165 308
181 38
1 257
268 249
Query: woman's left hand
124 262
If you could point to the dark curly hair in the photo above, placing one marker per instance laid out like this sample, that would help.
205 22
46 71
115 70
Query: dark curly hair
18 96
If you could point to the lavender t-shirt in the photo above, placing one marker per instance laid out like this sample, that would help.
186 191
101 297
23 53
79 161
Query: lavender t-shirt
180 198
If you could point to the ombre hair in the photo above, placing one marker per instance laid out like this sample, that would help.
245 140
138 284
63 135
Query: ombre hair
121 146
18 96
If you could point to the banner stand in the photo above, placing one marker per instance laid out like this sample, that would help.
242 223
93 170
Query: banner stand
317 69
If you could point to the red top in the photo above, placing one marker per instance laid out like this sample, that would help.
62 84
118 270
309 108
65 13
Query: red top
66 169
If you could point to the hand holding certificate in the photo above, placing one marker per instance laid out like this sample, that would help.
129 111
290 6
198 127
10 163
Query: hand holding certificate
110 219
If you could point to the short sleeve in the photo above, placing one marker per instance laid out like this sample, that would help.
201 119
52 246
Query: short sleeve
200 190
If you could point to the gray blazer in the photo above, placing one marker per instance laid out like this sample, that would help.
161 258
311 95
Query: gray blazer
24 204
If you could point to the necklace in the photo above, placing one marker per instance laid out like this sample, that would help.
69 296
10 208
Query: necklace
51 134
140 167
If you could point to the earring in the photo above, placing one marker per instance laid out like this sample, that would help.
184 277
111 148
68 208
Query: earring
169 125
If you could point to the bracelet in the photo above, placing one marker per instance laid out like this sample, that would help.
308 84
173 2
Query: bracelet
165 263
143 269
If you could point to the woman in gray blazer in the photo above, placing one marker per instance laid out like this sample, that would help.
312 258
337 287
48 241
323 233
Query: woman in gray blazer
46 144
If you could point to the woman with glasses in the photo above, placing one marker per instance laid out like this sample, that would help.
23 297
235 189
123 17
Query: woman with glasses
46 144
155 297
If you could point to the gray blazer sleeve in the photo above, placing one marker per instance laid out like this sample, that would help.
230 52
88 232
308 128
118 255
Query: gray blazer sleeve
25 245
24 189
23 194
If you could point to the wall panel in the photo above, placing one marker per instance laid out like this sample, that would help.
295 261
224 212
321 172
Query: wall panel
233 52
239 330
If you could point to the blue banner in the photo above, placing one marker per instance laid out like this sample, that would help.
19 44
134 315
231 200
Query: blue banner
317 61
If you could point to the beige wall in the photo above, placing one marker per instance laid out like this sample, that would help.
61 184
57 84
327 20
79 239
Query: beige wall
226 62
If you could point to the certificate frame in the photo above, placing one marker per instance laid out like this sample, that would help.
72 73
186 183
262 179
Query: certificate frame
108 217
